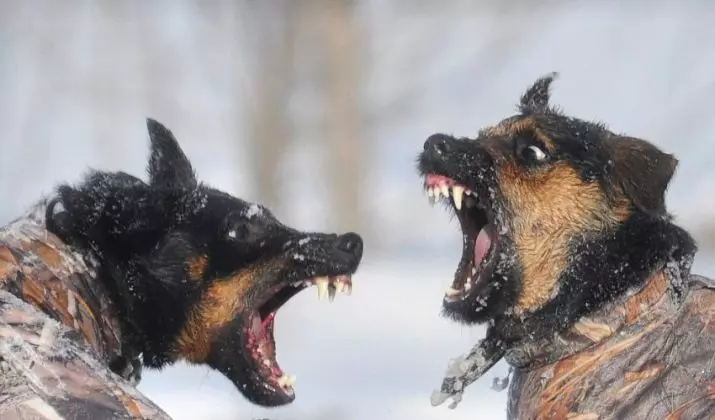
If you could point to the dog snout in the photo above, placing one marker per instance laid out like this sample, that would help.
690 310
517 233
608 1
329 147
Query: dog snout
438 145
349 247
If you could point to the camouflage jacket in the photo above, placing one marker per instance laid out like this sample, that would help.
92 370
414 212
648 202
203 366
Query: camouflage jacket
59 334
650 355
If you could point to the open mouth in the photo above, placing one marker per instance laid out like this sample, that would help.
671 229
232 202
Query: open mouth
479 236
260 341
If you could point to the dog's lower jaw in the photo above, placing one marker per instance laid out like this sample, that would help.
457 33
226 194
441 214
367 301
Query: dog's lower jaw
528 341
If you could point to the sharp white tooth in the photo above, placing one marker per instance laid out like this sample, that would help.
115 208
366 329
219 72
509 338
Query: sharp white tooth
322 283
290 381
283 380
267 362
436 192
331 292
430 194
445 190
348 288
457 192
474 270
338 285
468 285
451 292
468 191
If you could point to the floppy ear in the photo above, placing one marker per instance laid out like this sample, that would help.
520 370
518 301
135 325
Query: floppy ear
643 171
536 98
168 165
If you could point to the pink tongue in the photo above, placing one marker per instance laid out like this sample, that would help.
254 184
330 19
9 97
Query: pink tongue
481 246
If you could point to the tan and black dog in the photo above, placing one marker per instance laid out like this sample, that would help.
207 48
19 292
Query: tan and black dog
572 260
116 273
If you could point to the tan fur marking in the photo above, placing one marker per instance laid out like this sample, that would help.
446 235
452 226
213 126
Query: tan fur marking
219 305
509 128
196 268
549 208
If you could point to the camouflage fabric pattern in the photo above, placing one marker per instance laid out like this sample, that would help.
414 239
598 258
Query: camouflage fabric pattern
59 334
648 356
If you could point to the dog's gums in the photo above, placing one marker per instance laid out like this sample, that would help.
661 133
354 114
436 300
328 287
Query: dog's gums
479 236
260 342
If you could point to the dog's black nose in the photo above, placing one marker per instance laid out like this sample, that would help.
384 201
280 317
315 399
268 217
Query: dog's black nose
438 144
350 244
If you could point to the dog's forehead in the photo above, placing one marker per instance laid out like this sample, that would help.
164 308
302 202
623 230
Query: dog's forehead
553 129
223 204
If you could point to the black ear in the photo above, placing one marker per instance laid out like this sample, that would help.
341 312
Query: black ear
643 172
168 165
536 99
169 261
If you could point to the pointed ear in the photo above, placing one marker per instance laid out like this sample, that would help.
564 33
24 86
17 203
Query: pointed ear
536 98
168 165
642 171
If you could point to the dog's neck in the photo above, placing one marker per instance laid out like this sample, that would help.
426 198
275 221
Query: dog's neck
658 298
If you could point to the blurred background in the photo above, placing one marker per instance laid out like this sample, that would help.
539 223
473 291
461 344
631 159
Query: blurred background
317 109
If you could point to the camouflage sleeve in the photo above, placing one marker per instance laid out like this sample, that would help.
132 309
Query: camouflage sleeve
52 370
47 373
660 370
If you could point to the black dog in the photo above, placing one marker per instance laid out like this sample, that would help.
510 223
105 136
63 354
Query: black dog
195 273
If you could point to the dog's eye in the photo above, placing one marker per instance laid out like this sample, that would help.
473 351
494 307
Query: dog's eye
532 153
535 153
238 232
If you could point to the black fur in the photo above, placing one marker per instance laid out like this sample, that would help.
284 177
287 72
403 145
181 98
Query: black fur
601 265
144 234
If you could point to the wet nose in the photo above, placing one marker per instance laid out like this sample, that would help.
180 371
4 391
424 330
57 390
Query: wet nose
437 144
350 245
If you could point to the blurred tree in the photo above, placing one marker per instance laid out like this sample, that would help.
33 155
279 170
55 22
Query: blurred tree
275 33
342 49
161 60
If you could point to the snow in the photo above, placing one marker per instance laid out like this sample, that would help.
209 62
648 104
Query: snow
254 210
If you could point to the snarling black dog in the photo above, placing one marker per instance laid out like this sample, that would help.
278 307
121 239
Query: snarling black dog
197 274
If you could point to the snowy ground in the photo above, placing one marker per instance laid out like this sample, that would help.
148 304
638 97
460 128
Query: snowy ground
377 354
